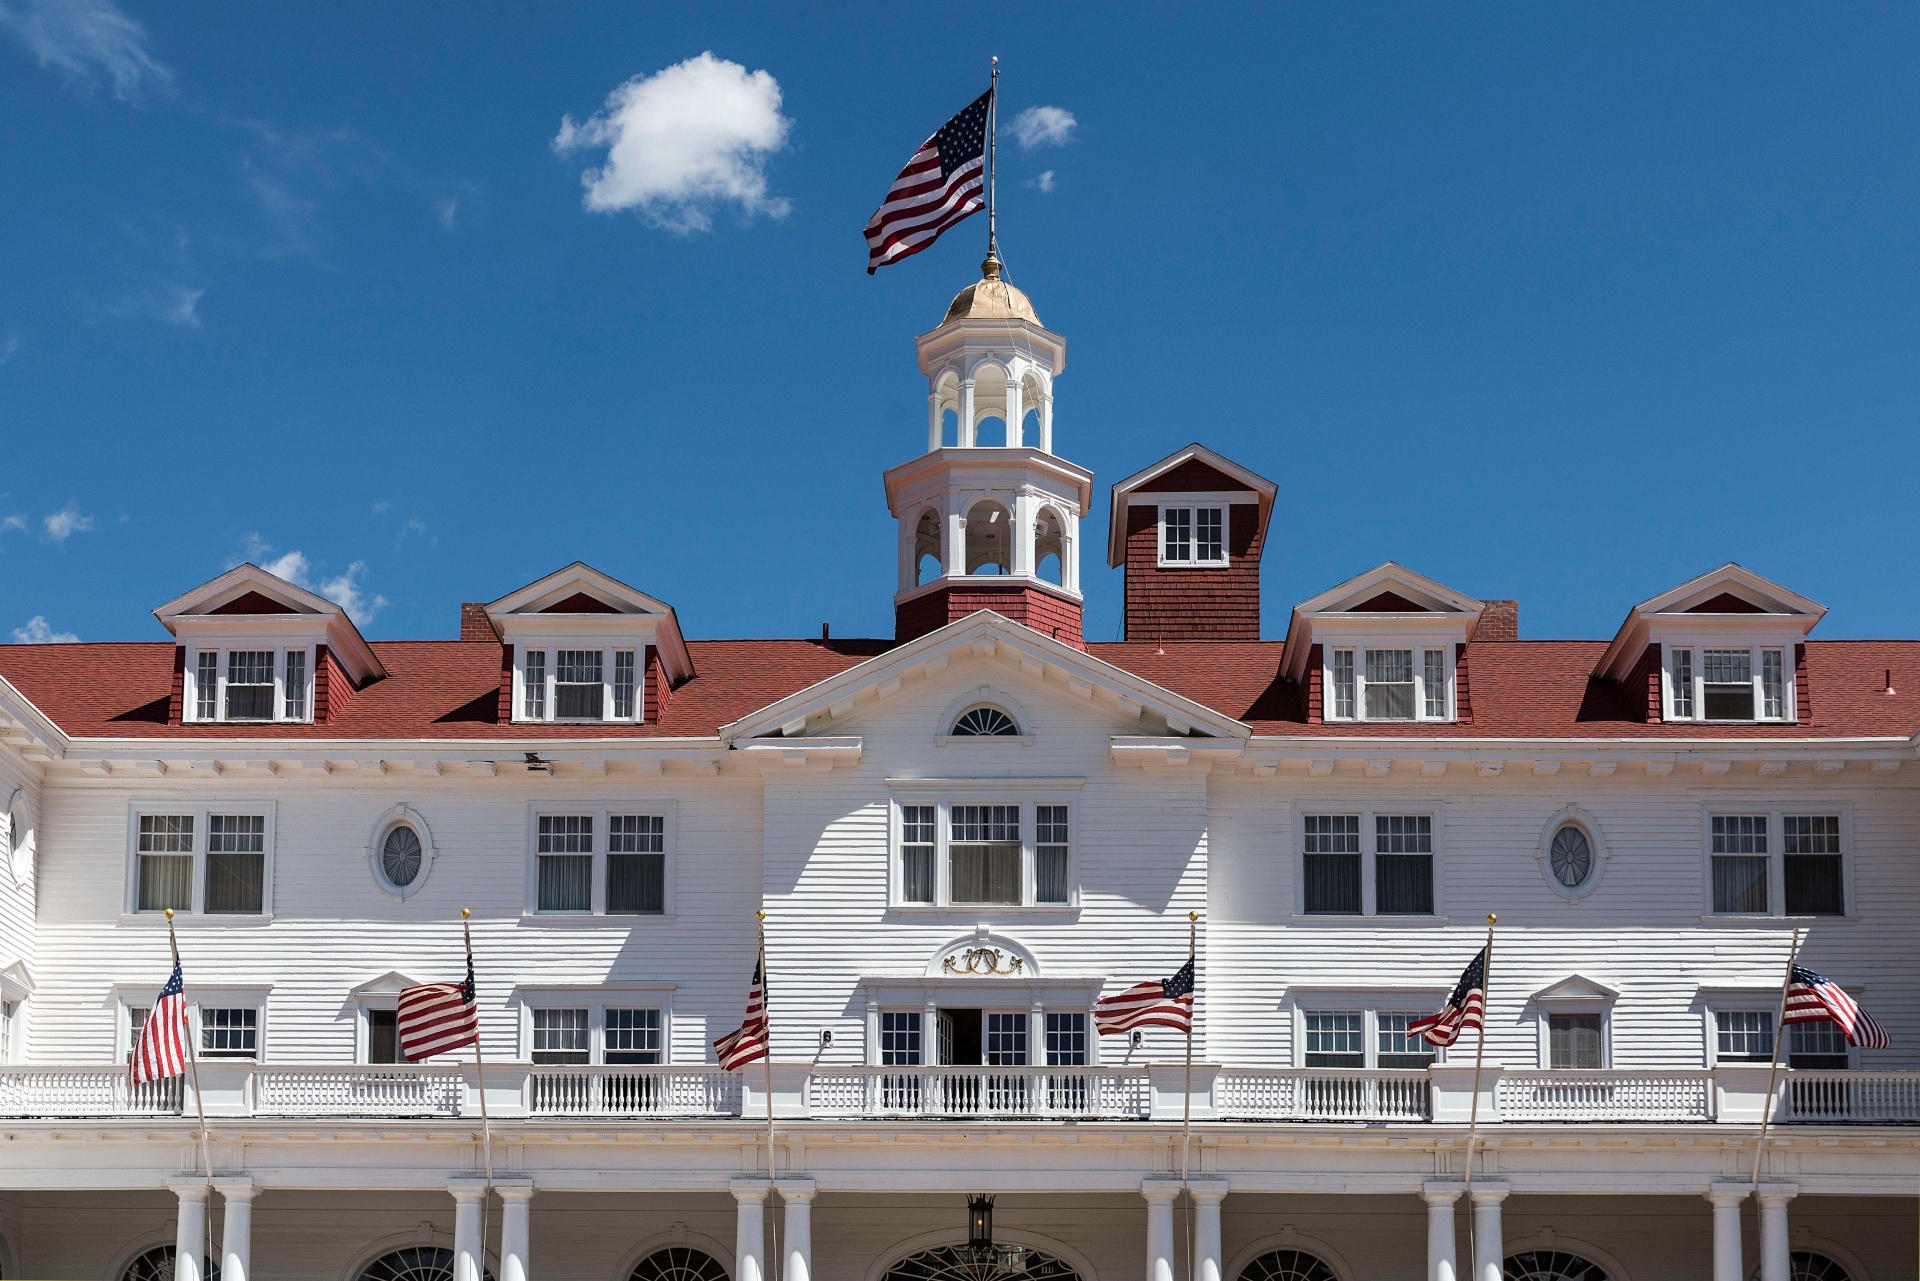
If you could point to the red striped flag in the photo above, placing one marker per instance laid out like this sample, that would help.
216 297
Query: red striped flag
1156 1003
748 1043
1814 998
944 182
1466 1008
162 1051
437 1017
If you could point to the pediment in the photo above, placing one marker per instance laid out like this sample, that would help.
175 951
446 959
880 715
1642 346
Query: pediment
16 981
1575 987
1387 600
1002 651
244 590
388 984
1724 603
579 602
249 605
577 589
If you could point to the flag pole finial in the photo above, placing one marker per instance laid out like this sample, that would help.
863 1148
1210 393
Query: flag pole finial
169 914
760 915
465 913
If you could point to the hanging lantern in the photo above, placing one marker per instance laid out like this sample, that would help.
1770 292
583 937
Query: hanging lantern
980 1251
979 1221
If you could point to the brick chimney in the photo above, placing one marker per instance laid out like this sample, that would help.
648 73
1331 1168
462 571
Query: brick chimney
475 625
1499 621
1190 530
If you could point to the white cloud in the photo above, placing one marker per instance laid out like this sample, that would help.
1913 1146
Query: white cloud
12 345
1044 182
180 310
66 522
85 39
1038 127
343 590
37 632
681 142
9 523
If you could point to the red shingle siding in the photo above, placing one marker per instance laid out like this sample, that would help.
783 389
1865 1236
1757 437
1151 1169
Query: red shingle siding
177 701
1646 676
504 709
659 690
332 688
475 625
580 603
1316 693
1193 477
1193 604
1041 610
1499 621
1463 684
1802 688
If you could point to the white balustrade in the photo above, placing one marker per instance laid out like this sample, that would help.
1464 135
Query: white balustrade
1323 1094
1605 1095
366 1090
632 1090
1851 1096
28 1091
977 1092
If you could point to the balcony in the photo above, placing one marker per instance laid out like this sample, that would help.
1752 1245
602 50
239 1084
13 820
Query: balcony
1443 1094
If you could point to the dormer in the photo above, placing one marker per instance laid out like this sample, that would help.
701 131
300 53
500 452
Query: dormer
256 649
1189 530
1728 647
1383 647
579 647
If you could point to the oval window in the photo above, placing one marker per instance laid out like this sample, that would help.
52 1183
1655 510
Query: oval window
1571 856
985 721
400 856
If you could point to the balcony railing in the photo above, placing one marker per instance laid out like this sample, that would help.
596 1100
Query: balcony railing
1830 1097
632 1091
1323 1094
1592 1095
978 1093
85 1091
358 1091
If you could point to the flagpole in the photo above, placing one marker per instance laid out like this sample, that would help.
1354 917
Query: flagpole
480 1077
199 1105
1479 1053
1186 1096
993 121
1773 1072
766 1060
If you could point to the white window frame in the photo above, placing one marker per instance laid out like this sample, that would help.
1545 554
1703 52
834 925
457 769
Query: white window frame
1194 509
1358 648
1776 815
1370 1004
983 792
190 686
1545 1008
1369 849
927 996
551 649
596 1000
1789 693
1715 1002
196 910
601 812
250 996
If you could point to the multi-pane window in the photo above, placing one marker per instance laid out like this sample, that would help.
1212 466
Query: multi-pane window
236 862
1193 536
136 1023
1050 854
577 685
636 864
560 1036
1773 684
1683 684
206 687
1575 1041
8 1011
1332 864
1006 1042
564 858
250 685
383 1036
1816 1045
631 1036
1066 1040
916 853
1391 684
1395 1048
1727 684
1732 683
1403 864
1176 535
984 854
533 703
1743 1036
1814 885
623 683
1740 863
900 1044
229 1033
1336 1038
165 853
293 703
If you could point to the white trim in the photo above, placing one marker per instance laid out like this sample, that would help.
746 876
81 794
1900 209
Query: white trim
1776 813
1699 642
596 1000
601 811
1194 508
196 906
608 651
15 818
1359 640
1574 994
943 795
1566 1245
1433 808
398 816
1573 816
1199 497
246 640
1288 1239
678 1235
903 1250
1369 1002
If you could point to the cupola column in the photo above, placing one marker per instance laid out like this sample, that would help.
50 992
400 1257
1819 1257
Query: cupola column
933 422
1046 424
1023 505
1015 410
967 436
957 537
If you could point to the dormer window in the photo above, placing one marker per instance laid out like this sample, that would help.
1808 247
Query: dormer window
250 692
1193 536
577 687
1728 683
249 684
1411 684
577 684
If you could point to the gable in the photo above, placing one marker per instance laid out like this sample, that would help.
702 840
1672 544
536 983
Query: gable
254 603
1387 603
580 603
1192 476
1726 603
1730 603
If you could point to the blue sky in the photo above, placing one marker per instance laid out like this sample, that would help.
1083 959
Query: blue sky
1551 302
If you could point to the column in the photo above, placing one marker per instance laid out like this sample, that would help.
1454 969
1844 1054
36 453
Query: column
236 1231
469 1250
797 1196
956 539
1207 1195
933 422
1775 1258
1727 1199
750 1228
964 437
1442 1253
1046 421
1160 1194
190 1238
1489 1240
516 1230
1022 560
1016 409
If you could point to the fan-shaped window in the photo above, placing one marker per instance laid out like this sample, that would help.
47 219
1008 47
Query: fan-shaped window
400 855
1552 1265
987 722
415 1263
1287 1265
157 1265
1806 1265
953 1263
679 1263
1571 856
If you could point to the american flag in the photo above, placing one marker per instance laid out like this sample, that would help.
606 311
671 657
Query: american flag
1813 998
749 1043
162 1051
1464 1009
943 183
437 1017
1155 1003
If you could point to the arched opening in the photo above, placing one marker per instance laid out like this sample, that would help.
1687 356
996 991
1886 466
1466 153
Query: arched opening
679 1263
1032 396
157 1265
985 721
949 427
989 539
958 1263
991 433
1287 1265
1050 546
1551 1265
927 561
990 407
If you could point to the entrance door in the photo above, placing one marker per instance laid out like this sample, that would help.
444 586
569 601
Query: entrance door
960 1038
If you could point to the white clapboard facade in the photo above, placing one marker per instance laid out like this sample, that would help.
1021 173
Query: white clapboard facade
961 838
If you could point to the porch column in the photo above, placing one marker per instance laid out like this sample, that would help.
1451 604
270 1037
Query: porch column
190 1236
1727 1199
797 1196
1207 1195
1775 1257
236 1232
1442 1254
469 1251
750 1228
516 1230
1489 1239
1160 1194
